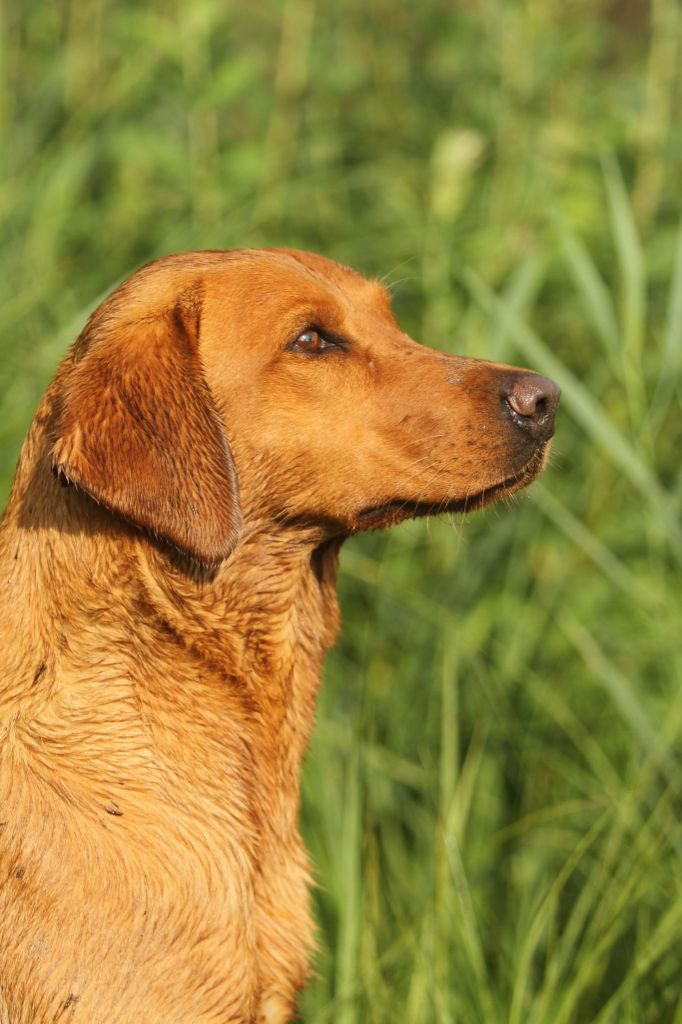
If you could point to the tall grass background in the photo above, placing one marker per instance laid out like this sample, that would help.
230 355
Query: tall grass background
492 797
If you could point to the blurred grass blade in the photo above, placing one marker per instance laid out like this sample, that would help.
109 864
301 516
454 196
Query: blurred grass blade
349 923
523 286
526 952
468 928
671 359
621 691
593 292
632 286
659 945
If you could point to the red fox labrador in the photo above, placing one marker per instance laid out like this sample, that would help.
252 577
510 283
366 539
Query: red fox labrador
168 561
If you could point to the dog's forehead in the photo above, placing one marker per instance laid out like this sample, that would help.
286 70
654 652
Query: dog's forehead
295 274
290 289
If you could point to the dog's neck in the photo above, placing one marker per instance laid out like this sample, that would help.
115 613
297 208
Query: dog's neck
272 601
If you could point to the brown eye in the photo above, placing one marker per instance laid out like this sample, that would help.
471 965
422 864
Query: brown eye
311 342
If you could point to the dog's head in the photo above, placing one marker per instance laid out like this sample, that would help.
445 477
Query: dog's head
277 384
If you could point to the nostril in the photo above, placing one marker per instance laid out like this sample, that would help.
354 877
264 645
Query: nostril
523 399
533 399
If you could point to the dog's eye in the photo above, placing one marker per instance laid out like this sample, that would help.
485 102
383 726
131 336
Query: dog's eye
311 342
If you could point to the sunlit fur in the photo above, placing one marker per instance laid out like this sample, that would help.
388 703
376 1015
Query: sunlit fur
167 564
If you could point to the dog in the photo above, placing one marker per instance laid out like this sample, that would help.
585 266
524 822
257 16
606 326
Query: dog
168 558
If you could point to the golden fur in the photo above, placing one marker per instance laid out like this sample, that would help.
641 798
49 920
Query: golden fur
167 563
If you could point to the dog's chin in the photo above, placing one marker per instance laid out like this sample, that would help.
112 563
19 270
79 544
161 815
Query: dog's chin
399 509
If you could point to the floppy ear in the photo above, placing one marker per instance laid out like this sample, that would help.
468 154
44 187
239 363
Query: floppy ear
137 429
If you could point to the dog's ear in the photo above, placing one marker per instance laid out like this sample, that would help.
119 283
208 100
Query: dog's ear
138 430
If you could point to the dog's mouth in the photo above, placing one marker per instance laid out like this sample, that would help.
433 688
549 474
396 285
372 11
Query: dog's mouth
396 511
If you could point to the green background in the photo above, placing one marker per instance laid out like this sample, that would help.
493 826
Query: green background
493 794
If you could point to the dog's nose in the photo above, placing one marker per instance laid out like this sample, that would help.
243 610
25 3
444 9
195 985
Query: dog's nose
532 403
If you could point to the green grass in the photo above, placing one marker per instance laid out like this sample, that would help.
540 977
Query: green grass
493 793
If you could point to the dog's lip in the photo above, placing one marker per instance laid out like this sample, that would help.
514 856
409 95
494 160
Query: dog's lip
399 509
